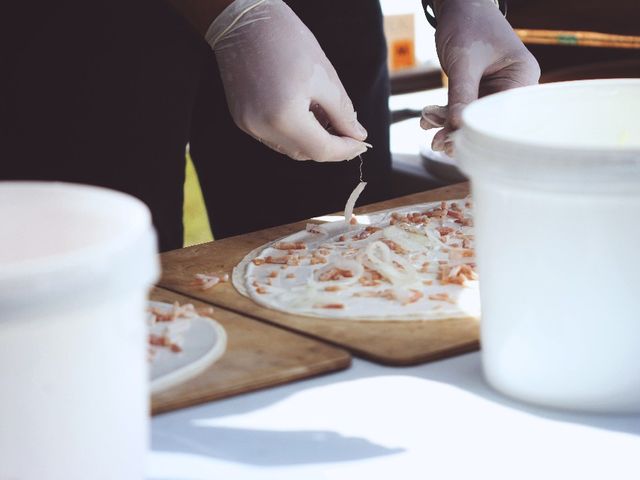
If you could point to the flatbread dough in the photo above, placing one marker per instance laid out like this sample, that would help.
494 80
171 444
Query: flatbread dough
202 342
413 263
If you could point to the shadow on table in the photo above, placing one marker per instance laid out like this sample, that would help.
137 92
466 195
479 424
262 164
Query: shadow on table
466 374
268 447
300 447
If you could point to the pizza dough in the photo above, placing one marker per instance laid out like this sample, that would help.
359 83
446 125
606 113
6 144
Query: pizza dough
197 342
413 263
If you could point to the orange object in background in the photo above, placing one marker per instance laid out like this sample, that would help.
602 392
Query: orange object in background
401 41
402 54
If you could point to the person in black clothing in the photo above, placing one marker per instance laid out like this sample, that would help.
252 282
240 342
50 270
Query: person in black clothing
110 92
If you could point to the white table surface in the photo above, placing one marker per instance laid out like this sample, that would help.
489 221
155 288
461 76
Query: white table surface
435 421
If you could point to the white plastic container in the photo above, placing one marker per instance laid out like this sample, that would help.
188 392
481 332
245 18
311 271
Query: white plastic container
76 264
555 173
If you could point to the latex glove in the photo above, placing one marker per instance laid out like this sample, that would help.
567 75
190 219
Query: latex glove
481 54
281 89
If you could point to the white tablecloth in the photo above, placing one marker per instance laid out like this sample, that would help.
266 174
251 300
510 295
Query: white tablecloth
435 421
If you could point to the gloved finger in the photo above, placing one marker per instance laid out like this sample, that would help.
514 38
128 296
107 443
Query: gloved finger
464 84
441 139
433 116
332 102
307 139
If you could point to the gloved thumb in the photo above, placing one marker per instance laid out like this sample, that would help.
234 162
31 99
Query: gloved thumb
334 110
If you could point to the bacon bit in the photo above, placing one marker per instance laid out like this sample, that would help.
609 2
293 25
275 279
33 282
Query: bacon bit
261 290
315 228
444 231
427 282
371 278
455 214
159 341
291 260
163 341
342 238
466 243
332 288
206 281
317 260
335 274
441 297
258 261
391 295
465 222
394 246
291 275
414 297
277 260
366 233
290 246
424 268
354 220
334 306
273 274
454 206
386 294
457 275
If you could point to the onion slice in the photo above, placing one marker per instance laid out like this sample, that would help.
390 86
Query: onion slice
351 202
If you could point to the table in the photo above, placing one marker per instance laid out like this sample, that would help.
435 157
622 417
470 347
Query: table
436 421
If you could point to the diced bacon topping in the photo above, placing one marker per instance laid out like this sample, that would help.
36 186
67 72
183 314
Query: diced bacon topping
317 259
455 214
389 294
366 233
335 274
332 288
292 260
457 275
394 246
258 261
333 306
441 297
206 281
290 246
444 231
315 228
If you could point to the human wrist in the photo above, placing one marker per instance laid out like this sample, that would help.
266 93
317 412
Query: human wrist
231 18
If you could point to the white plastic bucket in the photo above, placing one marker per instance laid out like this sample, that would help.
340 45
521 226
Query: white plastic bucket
76 264
555 173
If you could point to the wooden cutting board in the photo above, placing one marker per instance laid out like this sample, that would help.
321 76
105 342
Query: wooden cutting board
258 355
391 343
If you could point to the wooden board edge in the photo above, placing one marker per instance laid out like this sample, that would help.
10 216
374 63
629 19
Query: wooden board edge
388 360
342 362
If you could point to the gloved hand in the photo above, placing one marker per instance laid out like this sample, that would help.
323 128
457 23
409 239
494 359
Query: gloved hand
481 54
281 89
